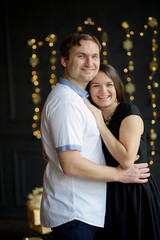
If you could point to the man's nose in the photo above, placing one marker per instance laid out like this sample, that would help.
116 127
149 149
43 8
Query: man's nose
88 61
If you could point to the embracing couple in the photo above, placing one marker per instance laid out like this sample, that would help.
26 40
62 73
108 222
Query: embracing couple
94 187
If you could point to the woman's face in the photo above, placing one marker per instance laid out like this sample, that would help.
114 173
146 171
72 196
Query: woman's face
102 90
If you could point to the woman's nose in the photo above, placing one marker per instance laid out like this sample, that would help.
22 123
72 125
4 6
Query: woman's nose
103 89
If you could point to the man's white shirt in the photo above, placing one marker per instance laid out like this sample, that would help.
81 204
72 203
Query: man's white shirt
67 124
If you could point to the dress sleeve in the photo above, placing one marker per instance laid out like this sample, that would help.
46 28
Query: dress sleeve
128 109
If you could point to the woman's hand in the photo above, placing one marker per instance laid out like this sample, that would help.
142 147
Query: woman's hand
96 113
45 157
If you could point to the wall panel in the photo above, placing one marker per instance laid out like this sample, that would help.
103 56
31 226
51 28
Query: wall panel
21 163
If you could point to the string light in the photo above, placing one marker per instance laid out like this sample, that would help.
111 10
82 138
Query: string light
152 85
103 38
128 46
36 97
51 40
34 62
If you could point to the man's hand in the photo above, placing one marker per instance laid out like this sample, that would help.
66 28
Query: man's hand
138 173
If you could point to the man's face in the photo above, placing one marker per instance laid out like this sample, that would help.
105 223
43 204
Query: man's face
83 63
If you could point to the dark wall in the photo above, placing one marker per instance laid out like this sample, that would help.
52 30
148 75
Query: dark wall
21 163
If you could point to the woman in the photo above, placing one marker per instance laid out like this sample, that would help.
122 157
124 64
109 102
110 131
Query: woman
133 210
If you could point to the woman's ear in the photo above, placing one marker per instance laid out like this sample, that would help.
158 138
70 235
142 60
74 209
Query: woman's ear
63 61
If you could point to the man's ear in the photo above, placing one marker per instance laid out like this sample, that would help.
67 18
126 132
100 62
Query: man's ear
63 61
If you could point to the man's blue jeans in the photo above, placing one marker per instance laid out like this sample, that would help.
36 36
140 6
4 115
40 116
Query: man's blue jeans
74 230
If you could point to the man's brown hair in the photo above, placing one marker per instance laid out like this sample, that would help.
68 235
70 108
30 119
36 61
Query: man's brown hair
74 39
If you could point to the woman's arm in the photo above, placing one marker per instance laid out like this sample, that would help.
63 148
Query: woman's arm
125 149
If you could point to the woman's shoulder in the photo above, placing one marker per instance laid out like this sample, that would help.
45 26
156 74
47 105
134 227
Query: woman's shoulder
127 108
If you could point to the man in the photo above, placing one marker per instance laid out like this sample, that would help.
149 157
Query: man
74 188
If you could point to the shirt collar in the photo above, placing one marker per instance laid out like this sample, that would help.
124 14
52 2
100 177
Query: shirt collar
81 92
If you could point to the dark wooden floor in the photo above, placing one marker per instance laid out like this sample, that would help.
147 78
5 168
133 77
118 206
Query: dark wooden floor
19 230
15 230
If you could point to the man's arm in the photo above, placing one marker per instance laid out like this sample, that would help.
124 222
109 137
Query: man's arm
73 164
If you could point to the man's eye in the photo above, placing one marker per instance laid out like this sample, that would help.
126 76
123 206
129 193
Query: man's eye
95 56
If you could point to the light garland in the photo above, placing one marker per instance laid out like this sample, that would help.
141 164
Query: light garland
128 70
153 66
34 62
128 45
152 83
103 38
36 96
51 39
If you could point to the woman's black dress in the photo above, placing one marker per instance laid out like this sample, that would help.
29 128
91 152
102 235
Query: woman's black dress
133 210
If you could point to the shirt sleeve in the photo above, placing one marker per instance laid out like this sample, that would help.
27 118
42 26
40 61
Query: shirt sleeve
66 127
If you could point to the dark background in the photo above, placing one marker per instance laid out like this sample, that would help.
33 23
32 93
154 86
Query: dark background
21 162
